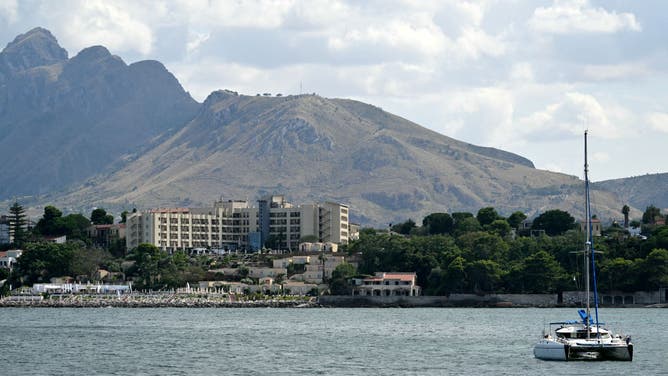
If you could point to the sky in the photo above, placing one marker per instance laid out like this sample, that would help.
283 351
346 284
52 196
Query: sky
525 76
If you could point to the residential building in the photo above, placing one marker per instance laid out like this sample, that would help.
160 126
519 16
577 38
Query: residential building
105 235
8 258
595 226
56 239
4 230
387 284
234 224
319 268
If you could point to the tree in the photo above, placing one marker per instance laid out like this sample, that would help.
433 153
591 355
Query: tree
148 262
554 222
17 224
620 274
467 224
500 227
459 216
455 275
487 215
438 223
75 226
483 245
124 216
340 276
625 211
516 219
483 275
541 273
49 224
656 269
651 214
99 216
404 228
42 261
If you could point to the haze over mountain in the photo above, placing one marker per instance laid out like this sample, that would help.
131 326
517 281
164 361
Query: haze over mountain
93 131
63 120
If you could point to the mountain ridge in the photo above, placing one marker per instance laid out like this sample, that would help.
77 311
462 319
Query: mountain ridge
99 132
77 117
313 148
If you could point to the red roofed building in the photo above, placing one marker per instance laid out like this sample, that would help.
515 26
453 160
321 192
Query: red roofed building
387 284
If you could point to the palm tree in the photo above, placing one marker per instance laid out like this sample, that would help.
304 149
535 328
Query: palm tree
625 211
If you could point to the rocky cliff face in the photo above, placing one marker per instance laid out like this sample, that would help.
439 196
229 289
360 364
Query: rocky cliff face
63 120
312 149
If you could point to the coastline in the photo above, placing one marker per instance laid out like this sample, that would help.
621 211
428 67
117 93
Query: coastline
153 301
232 301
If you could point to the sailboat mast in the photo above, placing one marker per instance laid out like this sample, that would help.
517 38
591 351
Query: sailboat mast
588 233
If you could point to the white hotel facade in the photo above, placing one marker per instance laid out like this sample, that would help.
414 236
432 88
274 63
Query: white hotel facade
233 225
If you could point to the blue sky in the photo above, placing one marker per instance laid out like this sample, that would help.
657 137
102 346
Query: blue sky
523 76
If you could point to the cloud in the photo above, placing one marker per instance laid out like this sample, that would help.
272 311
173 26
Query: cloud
479 115
575 16
404 37
265 14
9 10
658 121
606 72
571 116
118 26
195 40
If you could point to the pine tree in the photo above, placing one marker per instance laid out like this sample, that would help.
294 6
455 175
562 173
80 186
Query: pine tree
17 225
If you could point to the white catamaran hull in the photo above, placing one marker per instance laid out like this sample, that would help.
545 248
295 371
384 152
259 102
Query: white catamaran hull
550 349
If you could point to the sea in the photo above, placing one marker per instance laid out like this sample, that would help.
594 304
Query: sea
310 341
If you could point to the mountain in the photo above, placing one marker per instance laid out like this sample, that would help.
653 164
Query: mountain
93 131
311 148
64 120
639 191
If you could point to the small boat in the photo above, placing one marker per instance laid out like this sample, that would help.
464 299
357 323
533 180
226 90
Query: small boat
584 339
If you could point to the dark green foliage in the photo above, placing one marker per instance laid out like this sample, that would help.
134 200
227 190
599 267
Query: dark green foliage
484 276
656 269
516 219
626 210
404 228
340 277
42 261
620 274
460 216
554 222
541 273
124 216
150 261
52 223
467 224
499 227
476 259
487 215
438 223
99 216
17 224
651 214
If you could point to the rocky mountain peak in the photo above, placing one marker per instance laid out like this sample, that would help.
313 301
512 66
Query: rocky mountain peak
35 48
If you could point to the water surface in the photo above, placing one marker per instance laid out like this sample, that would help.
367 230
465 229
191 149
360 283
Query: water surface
270 341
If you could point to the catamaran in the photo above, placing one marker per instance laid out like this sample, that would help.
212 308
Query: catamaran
584 339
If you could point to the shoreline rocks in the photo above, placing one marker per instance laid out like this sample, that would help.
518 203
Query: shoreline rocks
152 301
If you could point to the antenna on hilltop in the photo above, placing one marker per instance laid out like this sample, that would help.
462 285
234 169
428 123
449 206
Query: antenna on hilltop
300 88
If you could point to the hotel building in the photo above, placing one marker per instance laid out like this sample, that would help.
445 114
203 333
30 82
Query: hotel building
235 225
